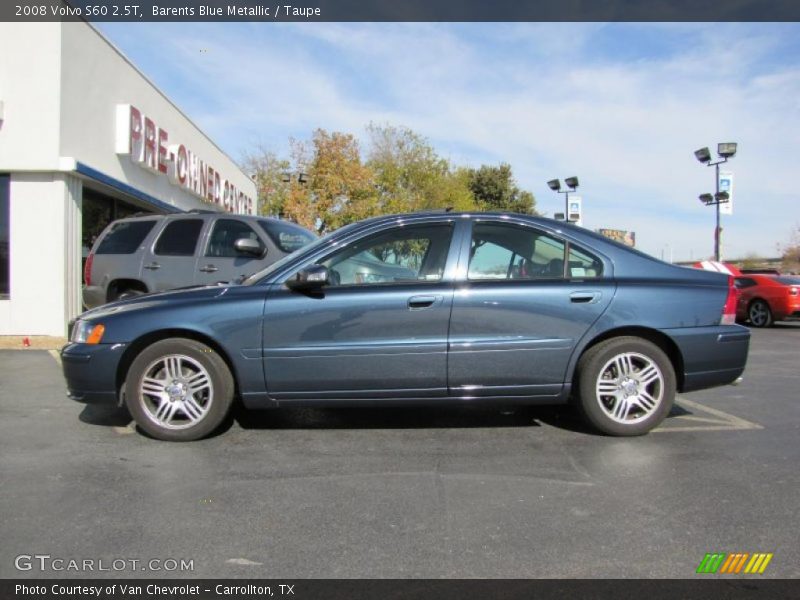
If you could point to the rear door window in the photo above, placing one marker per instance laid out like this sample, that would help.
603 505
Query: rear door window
179 238
125 237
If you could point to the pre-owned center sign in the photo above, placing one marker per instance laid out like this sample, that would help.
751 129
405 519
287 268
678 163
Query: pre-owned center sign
149 146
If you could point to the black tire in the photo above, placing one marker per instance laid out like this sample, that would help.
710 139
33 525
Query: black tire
641 405
189 385
759 314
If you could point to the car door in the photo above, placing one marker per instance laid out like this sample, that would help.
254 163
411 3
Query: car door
170 261
220 260
378 330
519 310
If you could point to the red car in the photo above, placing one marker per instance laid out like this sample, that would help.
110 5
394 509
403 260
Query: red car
764 299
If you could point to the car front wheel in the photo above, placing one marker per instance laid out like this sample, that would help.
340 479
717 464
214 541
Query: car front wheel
179 390
759 314
626 386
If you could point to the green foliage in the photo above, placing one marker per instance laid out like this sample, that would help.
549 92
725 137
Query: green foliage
402 173
268 172
410 176
494 188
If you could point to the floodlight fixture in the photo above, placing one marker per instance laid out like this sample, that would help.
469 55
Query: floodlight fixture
703 155
571 182
554 184
726 149
721 197
706 198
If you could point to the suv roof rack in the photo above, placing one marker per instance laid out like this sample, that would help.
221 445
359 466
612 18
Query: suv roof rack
200 211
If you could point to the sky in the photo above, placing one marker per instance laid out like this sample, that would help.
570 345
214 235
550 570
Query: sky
622 106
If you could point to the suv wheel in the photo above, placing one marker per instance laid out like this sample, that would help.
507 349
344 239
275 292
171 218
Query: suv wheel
179 390
626 386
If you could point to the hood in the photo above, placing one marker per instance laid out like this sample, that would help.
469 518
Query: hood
189 293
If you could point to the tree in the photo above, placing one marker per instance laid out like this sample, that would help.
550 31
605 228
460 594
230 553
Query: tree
339 187
791 252
495 189
410 175
269 173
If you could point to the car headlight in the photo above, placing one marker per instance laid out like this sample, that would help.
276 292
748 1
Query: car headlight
86 332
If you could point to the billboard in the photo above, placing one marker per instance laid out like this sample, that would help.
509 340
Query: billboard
620 235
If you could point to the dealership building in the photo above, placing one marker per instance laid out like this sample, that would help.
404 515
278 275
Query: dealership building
86 138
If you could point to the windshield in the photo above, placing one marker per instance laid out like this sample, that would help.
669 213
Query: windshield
296 255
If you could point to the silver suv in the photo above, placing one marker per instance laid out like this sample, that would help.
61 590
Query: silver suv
156 252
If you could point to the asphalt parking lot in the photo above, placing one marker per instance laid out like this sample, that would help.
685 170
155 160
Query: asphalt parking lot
461 492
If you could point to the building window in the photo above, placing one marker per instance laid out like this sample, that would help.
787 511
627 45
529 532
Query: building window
5 248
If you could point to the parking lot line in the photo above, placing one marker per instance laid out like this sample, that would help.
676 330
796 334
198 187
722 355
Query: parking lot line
721 420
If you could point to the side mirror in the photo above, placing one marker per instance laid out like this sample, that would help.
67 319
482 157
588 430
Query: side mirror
249 247
310 278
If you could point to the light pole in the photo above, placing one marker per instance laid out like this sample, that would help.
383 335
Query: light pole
725 151
572 184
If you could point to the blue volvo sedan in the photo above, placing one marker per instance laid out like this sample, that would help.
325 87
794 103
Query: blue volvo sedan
420 309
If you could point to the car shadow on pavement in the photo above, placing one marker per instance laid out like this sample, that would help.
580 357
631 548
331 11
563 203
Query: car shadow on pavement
105 415
387 418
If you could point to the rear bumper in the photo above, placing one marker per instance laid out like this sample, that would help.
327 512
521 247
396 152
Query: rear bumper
712 356
91 371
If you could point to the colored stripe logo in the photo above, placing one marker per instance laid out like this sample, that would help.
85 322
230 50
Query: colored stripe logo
735 563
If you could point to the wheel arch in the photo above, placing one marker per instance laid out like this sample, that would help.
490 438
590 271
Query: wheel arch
123 283
142 342
660 339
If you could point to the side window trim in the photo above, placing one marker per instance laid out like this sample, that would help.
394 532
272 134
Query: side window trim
452 261
465 245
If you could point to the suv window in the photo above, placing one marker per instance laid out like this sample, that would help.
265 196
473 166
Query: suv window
179 238
416 253
224 236
125 237
501 251
285 236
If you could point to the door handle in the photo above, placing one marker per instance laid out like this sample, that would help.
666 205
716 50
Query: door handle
420 302
209 269
153 266
583 297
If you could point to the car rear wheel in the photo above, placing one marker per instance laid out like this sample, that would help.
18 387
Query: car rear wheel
759 314
626 386
179 390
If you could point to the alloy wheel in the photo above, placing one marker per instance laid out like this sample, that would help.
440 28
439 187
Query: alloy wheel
176 391
630 387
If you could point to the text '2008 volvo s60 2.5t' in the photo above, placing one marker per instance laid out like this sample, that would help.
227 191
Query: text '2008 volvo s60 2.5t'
420 309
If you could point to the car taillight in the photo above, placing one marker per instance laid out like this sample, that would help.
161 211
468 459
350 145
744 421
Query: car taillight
793 291
87 269
729 311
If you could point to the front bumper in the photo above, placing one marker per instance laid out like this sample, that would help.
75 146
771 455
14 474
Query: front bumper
712 356
91 371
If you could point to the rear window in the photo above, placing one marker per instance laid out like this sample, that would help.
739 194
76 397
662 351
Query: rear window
788 280
285 236
125 237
